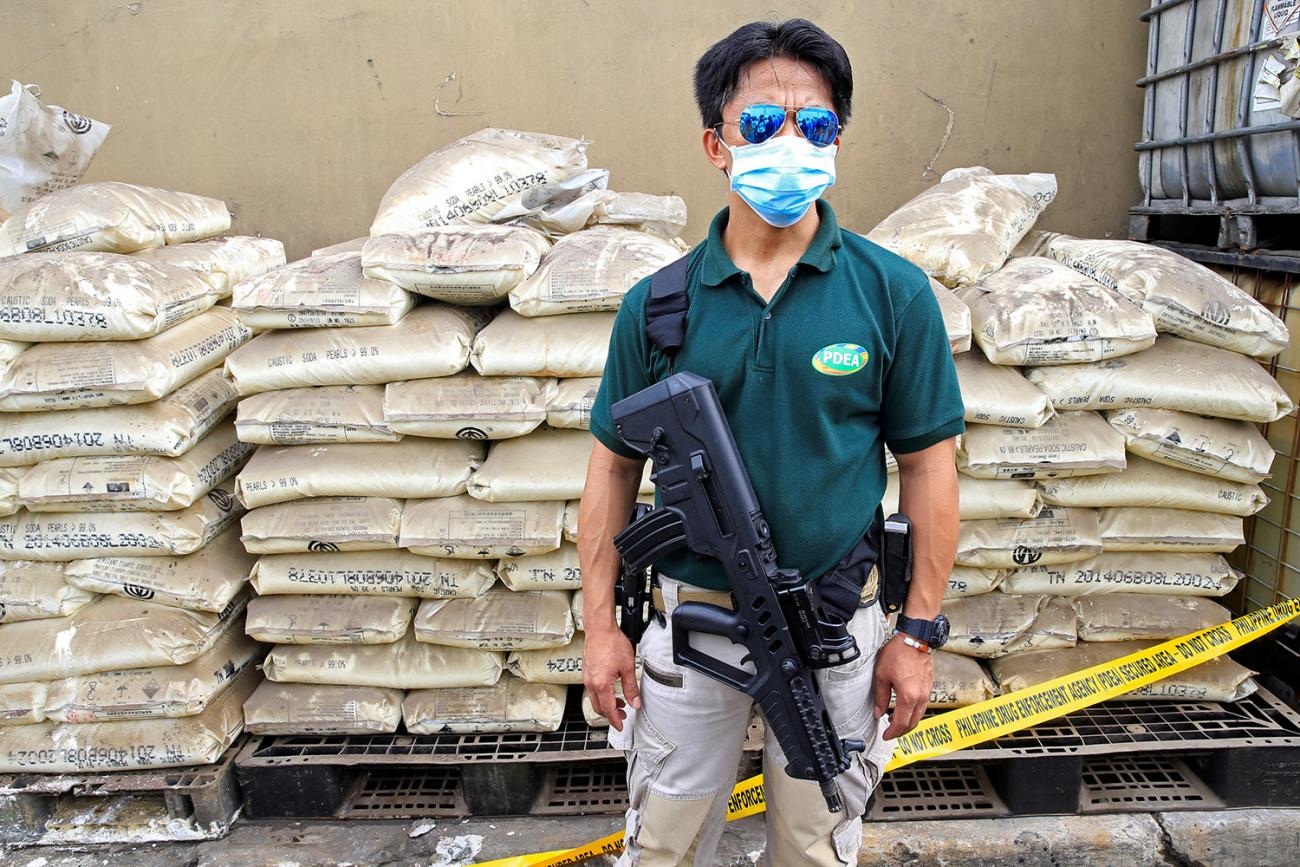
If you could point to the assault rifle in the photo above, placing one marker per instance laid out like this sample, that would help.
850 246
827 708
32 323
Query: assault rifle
709 507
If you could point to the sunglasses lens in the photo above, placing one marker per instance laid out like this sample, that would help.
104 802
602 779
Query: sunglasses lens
818 125
758 123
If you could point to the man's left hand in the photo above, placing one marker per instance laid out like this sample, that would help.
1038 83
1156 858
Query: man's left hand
909 674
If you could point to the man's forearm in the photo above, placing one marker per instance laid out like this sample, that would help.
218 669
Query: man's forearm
607 499
928 496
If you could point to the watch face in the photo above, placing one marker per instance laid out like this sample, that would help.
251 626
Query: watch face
940 637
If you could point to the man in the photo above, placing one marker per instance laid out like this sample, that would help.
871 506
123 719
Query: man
823 348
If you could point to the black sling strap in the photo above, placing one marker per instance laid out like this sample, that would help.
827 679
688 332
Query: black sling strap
665 309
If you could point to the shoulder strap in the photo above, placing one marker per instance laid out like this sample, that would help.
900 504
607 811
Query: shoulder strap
665 309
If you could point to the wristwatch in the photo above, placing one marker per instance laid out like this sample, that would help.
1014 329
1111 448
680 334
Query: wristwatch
928 634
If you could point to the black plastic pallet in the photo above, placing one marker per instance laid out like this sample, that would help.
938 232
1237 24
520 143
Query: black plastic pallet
1258 229
205 799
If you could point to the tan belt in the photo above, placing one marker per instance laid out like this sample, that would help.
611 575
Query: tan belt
720 598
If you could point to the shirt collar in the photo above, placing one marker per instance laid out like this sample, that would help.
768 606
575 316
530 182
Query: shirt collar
718 267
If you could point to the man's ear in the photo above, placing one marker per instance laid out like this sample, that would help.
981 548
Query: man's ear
715 151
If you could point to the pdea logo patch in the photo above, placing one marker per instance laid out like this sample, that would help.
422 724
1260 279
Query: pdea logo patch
839 359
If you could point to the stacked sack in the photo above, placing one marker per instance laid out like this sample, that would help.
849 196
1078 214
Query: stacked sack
411 493
1111 453
122 579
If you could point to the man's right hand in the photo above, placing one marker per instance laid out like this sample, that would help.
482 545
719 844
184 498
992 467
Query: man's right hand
607 657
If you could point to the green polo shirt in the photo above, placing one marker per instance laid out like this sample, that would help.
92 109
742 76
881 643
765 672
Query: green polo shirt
850 355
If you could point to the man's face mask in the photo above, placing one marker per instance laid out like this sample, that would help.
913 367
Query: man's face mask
781 176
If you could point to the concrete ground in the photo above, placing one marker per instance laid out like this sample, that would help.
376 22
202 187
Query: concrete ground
1230 837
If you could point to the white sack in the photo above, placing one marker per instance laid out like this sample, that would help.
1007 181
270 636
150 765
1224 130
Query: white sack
111 217
311 709
564 346
221 262
405 664
319 292
979 498
545 465
561 664
477 179
321 414
500 619
963 228
1150 484
323 524
468 406
1137 529
370 573
1174 374
956 317
354 245
10 479
414 467
1055 536
170 426
469 528
1130 616
131 483
996 624
203 581
329 619
1185 298
959 681
95 296
555 570
1112 572
459 264
43 148
574 509
999 395
1227 449
571 405
972 581
511 705
22 704
1037 311
433 340
32 590
664 216
1068 444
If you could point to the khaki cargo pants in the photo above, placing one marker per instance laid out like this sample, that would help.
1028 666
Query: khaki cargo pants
684 745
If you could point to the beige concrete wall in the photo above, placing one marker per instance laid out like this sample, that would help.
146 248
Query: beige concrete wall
300 112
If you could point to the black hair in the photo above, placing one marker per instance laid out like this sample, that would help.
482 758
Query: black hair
717 74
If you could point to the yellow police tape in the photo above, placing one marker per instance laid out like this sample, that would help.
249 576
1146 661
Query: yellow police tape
967 726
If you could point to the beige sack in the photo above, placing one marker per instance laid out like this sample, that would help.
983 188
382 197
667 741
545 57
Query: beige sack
1055 536
151 693
131 483
963 228
564 346
571 405
323 524
169 427
1219 679
956 317
468 406
310 709
996 624
1037 311
32 590
329 619
1147 483
323 414
59 536
574 509
589 715
355 245
67 748
959 681
414 467
972 581
469 528
10 478
999 395
500 619
95 296
459 264
110 633
1183 297
1174 374
511 705
222 262
111 217
1129 528
110 373
434 340
556 570
482 177
1130 616
1145 572
561 664
370 573
405 664
979 498
22 704
1233 450
590 271
319 292
545 465
204 581
1068 444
